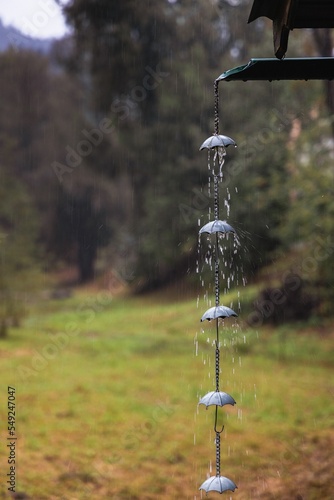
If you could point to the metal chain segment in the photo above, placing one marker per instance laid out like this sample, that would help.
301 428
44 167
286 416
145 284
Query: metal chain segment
218 155
221 159
217 365
216 93
216 208
216 196
217 286
217 454
217 282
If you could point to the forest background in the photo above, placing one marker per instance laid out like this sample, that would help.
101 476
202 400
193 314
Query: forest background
102 193
100 165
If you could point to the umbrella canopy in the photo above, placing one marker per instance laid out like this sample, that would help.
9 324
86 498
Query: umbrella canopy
217 398
216 141
217 226
218 483
218 312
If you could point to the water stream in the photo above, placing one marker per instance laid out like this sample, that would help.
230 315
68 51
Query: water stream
219 269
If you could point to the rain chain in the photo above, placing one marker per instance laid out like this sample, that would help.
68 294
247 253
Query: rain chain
217 143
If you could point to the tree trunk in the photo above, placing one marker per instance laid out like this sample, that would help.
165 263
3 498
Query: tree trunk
86 261
323 41
3 329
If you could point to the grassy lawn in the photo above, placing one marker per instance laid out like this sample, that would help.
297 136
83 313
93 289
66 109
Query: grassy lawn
106 402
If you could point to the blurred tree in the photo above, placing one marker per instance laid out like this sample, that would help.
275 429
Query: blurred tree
151 66
324 46
81 224
308 226
47 142
19 256
305 227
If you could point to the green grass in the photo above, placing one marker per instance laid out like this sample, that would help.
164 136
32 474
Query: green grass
107 391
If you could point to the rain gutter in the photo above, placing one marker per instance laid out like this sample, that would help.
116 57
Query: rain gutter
307 68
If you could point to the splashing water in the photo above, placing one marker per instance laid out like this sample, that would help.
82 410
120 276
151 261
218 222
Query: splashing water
219 261
231 270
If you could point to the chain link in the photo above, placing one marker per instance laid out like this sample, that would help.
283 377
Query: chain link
218 157
217 290
217 366
217 454
216 196
216 93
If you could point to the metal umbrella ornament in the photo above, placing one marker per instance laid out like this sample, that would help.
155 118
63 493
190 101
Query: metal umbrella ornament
217 398
217 144
217 226
217 141
218 312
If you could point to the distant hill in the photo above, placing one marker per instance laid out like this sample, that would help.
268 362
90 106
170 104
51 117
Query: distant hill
10 36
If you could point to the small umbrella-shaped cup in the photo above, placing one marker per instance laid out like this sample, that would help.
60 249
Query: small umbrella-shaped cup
217 141
218 312
217 226
217 398
218 483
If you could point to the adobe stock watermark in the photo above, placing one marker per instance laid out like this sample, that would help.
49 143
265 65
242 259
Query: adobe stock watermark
124 104
247 150
32 26
122 107
292 282
277 297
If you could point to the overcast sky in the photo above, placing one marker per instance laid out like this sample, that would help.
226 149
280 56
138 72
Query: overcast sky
36 18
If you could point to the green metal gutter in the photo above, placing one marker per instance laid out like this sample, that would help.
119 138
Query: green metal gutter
308 68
